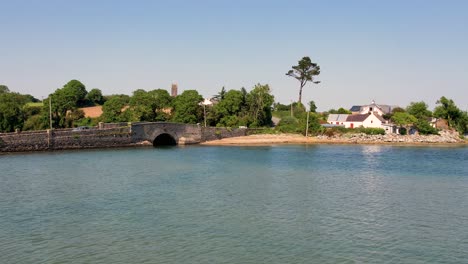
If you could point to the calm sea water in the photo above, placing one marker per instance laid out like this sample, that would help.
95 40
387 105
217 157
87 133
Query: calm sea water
277 204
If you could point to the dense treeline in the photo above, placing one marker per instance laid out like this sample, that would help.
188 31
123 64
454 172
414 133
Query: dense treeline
231 108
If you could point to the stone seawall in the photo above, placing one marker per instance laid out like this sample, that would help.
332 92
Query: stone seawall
112 135
214 133
65 139
444 137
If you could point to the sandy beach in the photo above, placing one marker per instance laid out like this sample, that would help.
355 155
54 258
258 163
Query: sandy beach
272 139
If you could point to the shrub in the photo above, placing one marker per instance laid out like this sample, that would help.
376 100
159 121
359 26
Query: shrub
288 125
425 128
370 130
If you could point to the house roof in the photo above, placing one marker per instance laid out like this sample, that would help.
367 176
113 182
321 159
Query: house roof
357 118
379 117
355 108
337 117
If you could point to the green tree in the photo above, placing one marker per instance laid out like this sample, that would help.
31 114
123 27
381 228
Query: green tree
312 107
4 89
447 109
228 110
149 106
404 119
11 111
95 97
65 102
340 110
187 107
76 89
220 95
425 128
419 110
112 110
260 101
304 71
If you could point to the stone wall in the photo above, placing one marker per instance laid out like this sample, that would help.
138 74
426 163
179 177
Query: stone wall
214 133
119 135
444 137
65 139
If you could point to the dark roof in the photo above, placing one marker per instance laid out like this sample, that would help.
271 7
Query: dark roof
355 108
379 117
357 118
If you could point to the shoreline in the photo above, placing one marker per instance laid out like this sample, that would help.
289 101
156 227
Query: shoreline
285 139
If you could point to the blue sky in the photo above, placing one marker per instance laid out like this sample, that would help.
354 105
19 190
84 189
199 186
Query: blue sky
393 52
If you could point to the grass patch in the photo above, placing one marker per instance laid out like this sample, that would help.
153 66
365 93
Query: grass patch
35 104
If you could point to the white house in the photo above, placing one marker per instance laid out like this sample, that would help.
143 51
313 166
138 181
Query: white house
373 107
337 119
365 120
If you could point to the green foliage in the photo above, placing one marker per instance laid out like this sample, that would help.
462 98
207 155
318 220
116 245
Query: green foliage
419 110
304 71
87 121
424 128
112 110
11 111
187 108
125 98
77 90
149 106
288 125
403 119
312 107
281 107
36 122
368 130
447 109
220 95
298 124
259 102
398 110
240 108
32 104
65 102
462 123
95 97
4 89
340 110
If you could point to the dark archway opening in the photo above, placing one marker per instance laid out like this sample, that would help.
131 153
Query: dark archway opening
164 140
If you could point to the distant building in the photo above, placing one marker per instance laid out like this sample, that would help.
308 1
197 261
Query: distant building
337 119
365 120
380 109
174 90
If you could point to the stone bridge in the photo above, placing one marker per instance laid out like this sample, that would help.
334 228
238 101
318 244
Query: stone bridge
163 133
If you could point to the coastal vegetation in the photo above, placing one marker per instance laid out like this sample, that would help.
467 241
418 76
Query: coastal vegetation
229 108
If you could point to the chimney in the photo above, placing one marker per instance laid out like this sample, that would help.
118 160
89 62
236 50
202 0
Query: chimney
174 90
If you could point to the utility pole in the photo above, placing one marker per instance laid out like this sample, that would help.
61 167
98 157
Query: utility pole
292 109
50 111
204 113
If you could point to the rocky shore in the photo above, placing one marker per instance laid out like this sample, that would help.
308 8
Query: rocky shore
445 137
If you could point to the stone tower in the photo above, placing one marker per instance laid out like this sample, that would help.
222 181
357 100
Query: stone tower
174 90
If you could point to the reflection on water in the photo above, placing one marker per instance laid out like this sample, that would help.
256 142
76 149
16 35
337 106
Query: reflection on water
280 204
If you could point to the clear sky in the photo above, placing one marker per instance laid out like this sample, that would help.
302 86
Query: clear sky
392 51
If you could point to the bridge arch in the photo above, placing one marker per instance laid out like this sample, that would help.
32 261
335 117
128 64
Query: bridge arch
164 139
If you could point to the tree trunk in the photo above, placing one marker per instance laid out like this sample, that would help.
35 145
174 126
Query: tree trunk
300 96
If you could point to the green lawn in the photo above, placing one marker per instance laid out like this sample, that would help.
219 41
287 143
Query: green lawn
35 104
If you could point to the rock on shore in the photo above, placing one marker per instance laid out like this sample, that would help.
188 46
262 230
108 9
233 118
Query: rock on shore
444 137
